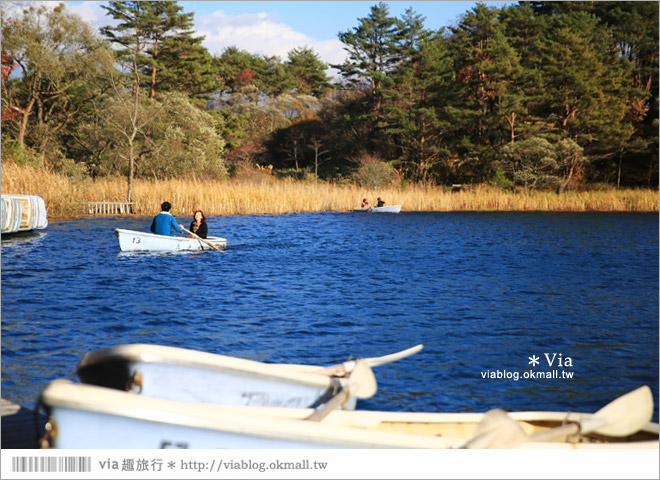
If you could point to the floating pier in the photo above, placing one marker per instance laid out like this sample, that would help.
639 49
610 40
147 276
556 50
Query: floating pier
109 208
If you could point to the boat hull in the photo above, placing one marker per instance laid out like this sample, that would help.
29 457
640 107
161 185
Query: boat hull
134 241
388 209
86 416
191 376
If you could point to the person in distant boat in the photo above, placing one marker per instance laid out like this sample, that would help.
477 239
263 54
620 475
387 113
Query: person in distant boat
365 204
198 225
380 202
164 222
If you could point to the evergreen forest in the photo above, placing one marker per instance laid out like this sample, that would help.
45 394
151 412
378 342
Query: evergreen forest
533 95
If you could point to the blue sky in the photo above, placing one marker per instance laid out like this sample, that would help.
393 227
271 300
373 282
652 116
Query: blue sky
277 27
324 19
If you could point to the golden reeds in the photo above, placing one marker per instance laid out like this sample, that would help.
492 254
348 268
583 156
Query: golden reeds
265 194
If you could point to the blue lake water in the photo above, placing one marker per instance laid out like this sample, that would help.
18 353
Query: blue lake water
484 292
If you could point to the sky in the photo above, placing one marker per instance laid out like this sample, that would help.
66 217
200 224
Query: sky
277 27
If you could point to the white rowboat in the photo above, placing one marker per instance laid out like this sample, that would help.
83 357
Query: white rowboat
87 416
192 376
389 209
133 241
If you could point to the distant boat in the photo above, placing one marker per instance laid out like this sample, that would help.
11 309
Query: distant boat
181 374
389 209
23 213
133 241
87 416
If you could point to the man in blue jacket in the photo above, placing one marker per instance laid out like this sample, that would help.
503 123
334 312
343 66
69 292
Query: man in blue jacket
164 222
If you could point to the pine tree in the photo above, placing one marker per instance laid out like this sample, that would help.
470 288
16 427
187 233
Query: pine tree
274 78
634 27
307 71
522 93
131 36
477 40
485 101
176 55
157 41
413 108
372 52
186 66
585 84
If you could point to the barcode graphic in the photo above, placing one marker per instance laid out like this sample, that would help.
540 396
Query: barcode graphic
51 464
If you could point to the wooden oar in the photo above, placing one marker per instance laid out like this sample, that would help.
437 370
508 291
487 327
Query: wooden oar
347 367
200 238
623 416
392 357
361 384
332 404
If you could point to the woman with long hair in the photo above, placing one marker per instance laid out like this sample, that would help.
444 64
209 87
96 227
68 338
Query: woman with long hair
198 225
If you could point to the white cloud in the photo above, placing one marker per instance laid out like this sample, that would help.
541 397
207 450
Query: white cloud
256 33
261 34
331 51
90 12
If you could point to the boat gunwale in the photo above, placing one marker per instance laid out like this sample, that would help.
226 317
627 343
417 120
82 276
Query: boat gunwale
281 423
67 395
167 237
383 209
146 353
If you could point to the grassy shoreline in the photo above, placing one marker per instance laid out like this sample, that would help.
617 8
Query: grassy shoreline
264 194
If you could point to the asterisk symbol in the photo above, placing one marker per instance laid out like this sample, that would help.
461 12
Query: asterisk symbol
533 360
171 465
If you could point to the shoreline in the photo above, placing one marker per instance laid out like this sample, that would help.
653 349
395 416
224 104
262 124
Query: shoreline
150 215
264 194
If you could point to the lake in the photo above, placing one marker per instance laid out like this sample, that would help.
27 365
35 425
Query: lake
503 302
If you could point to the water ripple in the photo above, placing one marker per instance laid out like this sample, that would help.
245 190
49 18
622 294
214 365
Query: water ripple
482 291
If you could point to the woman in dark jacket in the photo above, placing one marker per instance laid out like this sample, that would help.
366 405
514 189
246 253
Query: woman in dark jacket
198 225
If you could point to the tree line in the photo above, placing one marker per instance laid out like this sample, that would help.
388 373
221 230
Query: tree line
533 95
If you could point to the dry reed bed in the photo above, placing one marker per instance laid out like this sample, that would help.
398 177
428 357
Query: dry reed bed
263 194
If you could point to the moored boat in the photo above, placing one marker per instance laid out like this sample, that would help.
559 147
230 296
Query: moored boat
88 416
134 241
192 376
23 213
387 209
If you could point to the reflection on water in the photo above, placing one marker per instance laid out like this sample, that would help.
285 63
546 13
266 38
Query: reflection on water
30 239
484 292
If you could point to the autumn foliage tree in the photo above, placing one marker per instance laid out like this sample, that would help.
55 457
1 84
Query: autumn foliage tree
59 60
8 65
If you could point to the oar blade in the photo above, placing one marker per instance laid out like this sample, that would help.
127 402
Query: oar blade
624 416
362 381
497 430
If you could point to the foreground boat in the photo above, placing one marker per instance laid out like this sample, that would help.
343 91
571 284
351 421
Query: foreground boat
388 209
191 376
133 241
23 213
88 416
